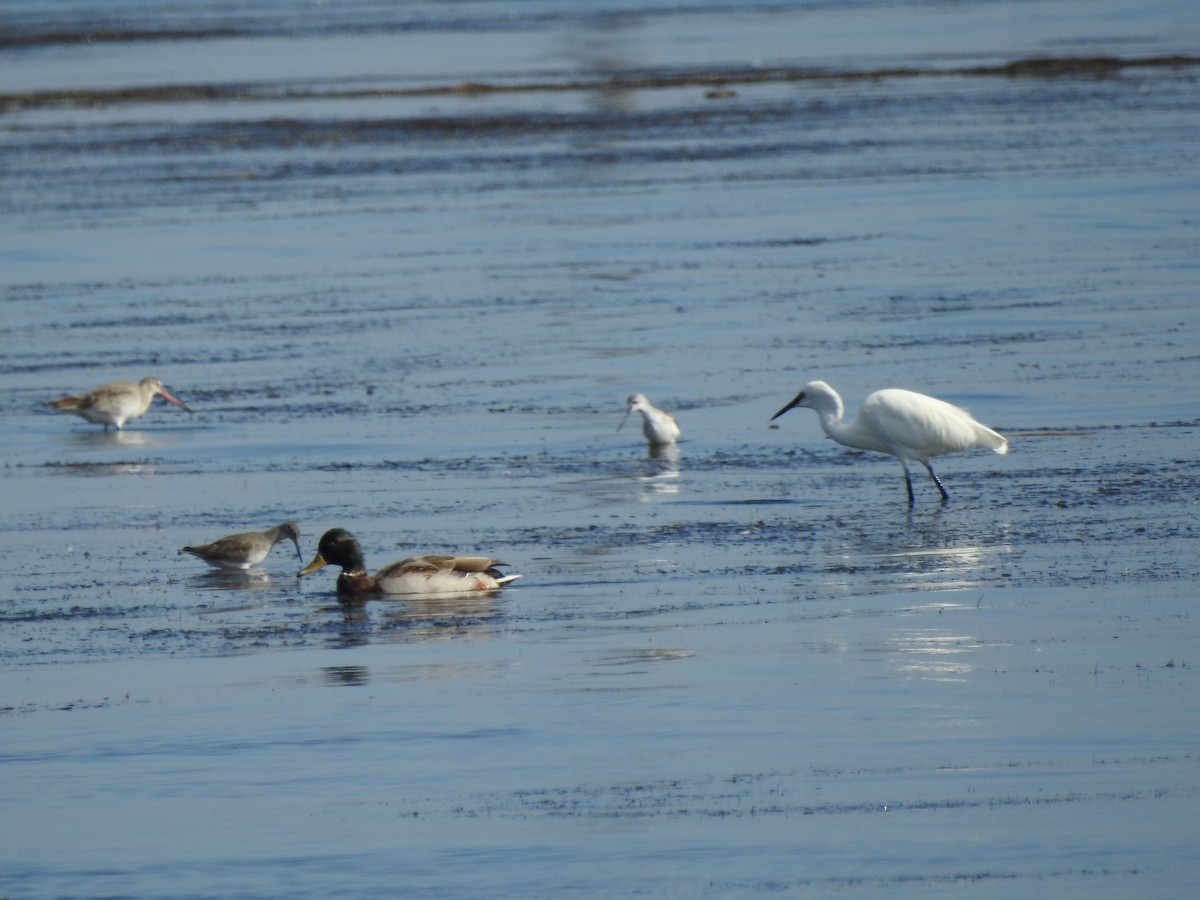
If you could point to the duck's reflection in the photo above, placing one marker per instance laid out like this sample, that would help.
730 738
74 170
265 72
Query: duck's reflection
415 619
439 617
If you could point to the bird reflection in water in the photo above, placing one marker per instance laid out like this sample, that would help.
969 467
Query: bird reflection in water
86 442
346 676
933 654
661 473
128 440
415 619
232 580
438 618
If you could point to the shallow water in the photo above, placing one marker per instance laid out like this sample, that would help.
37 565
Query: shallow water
406 261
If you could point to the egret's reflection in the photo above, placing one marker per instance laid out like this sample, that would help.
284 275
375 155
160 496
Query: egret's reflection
929 551
933 654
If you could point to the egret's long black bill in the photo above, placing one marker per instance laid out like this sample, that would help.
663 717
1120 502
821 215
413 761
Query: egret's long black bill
795 402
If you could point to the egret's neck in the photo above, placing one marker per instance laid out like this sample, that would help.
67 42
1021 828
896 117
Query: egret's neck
832 423
839 429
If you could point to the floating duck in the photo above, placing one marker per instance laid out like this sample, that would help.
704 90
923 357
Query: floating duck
418 575
658 426
117 403
243 551
908 425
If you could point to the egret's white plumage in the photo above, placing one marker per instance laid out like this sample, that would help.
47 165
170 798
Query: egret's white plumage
908 425
658 426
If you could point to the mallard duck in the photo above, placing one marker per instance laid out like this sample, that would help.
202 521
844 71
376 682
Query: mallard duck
658 426
907 425
117 403
242 551
417 575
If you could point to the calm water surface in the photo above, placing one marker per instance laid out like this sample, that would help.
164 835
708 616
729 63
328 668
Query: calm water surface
406 260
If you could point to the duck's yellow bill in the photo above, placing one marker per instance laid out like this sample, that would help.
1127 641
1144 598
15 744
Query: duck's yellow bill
317 563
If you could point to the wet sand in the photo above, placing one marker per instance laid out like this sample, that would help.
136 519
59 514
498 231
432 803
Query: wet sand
407 270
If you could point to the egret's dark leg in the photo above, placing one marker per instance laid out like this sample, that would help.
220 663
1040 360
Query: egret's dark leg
907 480
938 482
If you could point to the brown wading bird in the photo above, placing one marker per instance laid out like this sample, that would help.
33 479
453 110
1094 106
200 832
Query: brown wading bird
418 575
118 402
243 551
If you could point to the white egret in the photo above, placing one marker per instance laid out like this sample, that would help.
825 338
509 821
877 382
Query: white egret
658 426
907 425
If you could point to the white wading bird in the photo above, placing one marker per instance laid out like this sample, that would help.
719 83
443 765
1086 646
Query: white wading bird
907 425
659 427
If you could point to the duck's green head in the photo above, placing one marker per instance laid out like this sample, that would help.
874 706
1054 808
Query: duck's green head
336 547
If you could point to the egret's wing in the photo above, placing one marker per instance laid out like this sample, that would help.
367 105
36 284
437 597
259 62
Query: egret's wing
921 427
